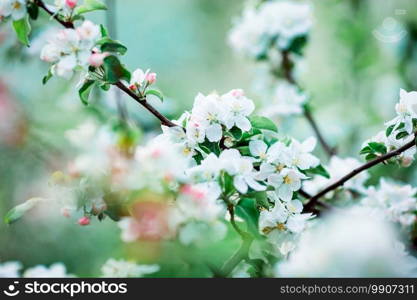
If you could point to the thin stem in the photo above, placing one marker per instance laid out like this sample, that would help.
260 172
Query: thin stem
143 102
314 200
287 67
111 22
242 252
66 24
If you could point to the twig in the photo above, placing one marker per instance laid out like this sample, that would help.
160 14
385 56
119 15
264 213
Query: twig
287 67
143 102
314 200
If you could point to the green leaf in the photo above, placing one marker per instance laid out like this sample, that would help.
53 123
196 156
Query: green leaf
244 150
371 156
365 150
261 199
89 6
108 45
85 91
389 130
33 10
46 78
319 170
259 122
104 32
23 29
378 147
19 211
114 70
236 133
401 135
246 209
155 93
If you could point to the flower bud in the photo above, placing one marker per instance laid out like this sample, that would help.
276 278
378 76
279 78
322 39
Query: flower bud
71 3
84 221
237 93
151 78
97 59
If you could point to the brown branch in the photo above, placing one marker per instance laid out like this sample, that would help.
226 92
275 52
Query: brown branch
314 200
66 24
287 67
142 101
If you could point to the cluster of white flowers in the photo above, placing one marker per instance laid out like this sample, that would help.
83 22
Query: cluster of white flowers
399 131
124 269
13 8
337 168
271 24
12 270
398 202
71 49
283 223
286 100
352 243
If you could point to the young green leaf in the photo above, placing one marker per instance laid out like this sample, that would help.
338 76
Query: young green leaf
114 70
378 147
104 32
85 91
23 29
19 211
108 45
259 122
389 130
46 78
89 6
401 135
319 170
155 93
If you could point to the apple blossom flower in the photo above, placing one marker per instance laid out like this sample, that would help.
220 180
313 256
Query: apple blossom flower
286 100
10 269
139 78
84 221
367 240
301 156
14 8
397 202
241 167
207 114
97 59
56 270
70 49
238 109
273 21
124 269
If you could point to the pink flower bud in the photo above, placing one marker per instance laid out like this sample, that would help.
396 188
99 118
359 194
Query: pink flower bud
71 3
237 93
84 221
97 59
133 87
151 78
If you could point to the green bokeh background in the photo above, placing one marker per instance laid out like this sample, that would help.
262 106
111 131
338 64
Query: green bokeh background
352 77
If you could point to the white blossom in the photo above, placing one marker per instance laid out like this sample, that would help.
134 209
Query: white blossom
56 270
398 202
10 269
14 8
352 243
124 269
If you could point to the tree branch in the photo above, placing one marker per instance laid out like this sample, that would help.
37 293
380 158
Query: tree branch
142 101
315 199
287 67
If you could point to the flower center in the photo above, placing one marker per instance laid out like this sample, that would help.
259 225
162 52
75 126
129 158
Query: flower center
287 180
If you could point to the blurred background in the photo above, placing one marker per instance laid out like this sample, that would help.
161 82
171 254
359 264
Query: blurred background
359 56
